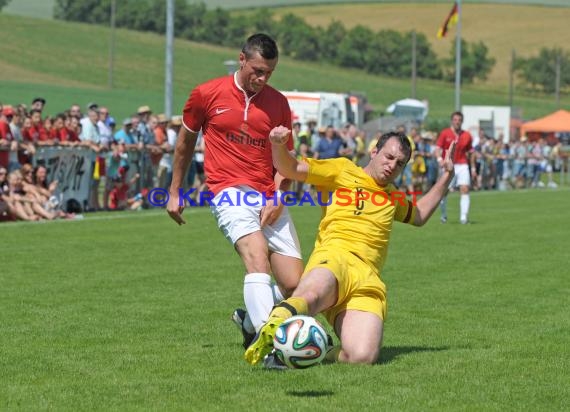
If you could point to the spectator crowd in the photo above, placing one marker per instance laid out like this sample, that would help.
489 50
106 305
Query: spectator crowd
146 141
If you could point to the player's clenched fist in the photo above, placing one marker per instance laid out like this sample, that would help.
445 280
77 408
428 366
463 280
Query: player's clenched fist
279 135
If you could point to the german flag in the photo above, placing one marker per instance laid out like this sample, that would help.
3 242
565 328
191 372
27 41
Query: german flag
449 22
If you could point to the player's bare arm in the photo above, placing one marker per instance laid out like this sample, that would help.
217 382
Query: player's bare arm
283 160
428 203
183 153
271 212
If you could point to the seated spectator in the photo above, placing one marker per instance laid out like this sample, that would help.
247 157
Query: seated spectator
10 207
40 180
117 163
119 196
32 207
43 192
28 185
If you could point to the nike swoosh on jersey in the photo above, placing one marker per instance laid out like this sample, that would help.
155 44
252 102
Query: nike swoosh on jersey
220 111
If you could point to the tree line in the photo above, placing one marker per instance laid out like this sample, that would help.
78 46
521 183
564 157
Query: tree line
385 52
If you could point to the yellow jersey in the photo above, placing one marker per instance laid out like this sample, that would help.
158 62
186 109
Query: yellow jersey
357 213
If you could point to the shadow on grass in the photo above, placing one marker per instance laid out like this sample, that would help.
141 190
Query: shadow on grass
390 353
309 394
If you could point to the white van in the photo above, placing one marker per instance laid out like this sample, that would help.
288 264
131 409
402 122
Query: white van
325 108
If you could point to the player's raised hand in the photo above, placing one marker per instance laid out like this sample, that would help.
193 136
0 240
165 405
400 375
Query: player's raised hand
279 135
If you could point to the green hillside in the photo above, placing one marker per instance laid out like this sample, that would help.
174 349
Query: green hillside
44 8
282 3
68 62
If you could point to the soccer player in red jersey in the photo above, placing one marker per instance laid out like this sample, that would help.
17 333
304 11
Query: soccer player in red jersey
236 114
462 160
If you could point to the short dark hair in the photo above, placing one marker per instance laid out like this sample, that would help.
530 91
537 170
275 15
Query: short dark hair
402 139
456 114
262 44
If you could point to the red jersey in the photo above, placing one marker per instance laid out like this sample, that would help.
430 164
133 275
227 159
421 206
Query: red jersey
236 132
464 144
34 134
72 136
5 134
60 135
118 196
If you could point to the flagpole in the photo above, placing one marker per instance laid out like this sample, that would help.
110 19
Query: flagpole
458 59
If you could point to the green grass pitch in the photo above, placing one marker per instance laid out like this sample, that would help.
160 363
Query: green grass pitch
127 311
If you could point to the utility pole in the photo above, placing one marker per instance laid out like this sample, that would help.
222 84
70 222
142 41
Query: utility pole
169 58
557 86
414 64
458 59
511 79
112 43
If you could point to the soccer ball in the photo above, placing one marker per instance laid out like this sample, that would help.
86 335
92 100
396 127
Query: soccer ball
300 342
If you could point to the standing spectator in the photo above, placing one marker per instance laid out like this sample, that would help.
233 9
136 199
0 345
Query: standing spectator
105 138
26 148
430 158
7 141
15 123
158 125
165 166
419 167
126 135
461 161
502 163
75 110
105 131
38 104
48 124
90 138
534 161
405 179
73 127
59 132
36 133
146 139
520 162
236 114
329 146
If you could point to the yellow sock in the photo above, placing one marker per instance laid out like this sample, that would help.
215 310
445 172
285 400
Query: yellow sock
290 307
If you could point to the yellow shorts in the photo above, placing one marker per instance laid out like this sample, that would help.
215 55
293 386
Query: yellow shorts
359 286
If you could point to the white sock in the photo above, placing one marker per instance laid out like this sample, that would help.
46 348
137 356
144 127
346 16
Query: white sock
464 206
277 295
443 207
258 298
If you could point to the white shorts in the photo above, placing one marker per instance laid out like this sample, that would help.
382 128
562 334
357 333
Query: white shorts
238 215
462 176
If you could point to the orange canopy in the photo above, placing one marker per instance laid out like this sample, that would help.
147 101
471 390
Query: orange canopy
556 122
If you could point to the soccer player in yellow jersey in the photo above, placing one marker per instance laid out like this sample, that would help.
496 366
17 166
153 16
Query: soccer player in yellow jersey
342 276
